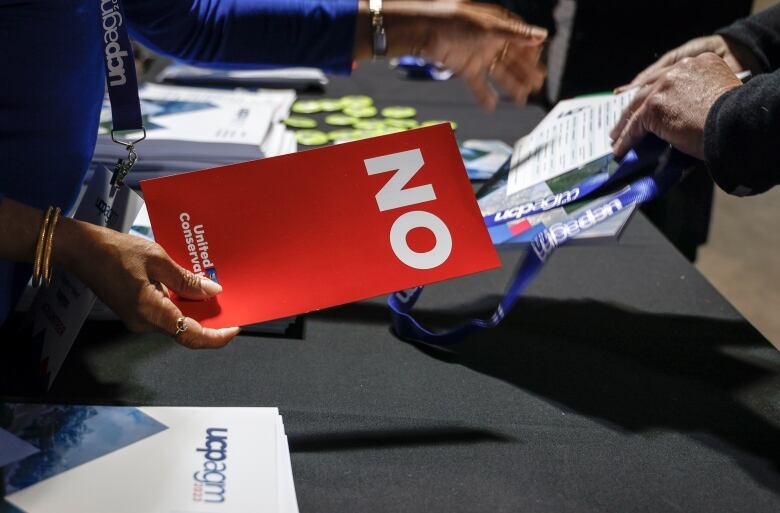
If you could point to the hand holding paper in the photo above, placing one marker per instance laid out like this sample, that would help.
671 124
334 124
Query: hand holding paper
676 105
324 227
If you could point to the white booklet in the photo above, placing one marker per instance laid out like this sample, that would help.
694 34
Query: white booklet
96 459
190 128
572 135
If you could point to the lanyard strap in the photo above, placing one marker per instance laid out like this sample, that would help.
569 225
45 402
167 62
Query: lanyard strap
634 163
121 82
671 165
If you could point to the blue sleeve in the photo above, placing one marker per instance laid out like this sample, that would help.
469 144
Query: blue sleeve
248 33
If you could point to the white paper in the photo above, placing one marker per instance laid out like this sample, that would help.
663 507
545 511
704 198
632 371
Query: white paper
157 473
573 134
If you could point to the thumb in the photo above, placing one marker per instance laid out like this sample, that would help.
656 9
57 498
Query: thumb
183 282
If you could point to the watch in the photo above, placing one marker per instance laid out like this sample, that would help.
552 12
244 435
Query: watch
378 35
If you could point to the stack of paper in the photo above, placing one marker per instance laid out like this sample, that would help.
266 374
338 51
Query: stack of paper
94 459
294 78
191 128
552 166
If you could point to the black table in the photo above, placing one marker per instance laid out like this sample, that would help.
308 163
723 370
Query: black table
622 381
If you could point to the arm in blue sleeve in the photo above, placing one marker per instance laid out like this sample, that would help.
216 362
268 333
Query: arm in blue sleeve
248 33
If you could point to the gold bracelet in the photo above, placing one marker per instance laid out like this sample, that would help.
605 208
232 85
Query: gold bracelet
46 268
38 260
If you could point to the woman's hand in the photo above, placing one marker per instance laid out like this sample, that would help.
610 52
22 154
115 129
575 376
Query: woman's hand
132 276
481 43
736 56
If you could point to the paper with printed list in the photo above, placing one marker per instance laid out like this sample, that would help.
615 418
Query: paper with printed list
573 134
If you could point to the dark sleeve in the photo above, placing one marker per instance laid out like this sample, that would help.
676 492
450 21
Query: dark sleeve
248 33
742 137
761 34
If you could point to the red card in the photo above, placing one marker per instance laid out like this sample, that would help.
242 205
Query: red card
319 228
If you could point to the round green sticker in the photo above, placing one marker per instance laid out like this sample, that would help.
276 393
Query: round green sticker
369 124
432 122
331 105
307 107
340 120
399 112
368 111
356 100
311 137
340 135
300 122
402 123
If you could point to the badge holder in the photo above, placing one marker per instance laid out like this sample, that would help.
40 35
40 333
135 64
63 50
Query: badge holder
123 166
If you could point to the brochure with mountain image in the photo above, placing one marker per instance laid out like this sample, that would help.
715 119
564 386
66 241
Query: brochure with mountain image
191 128
484 158
84 458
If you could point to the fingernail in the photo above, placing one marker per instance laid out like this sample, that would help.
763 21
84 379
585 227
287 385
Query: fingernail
211 288
538 33
229 332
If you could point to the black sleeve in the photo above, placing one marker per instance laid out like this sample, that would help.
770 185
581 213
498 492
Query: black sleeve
742 137
761 34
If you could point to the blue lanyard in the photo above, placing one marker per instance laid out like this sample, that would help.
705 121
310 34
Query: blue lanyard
670 166
635 162
121 82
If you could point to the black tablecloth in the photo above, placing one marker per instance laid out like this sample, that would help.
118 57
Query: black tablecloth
622 381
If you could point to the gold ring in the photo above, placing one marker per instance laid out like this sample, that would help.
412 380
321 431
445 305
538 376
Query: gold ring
181 326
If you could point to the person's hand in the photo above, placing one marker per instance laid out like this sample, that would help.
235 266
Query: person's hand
486 44
132 276
482 43
675 106
737 57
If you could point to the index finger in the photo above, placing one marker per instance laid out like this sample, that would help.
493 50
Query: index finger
520 32
634 106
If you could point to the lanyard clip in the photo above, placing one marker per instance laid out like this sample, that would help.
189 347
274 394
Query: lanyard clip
123 166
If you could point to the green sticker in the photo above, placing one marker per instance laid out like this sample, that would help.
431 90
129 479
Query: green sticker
300 122
432 122
341 135
331 105
307 107
369 124
356 100
392 130
340 120
406 124
311 137
399 112
361 112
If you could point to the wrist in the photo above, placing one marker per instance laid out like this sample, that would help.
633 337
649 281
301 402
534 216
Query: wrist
742 55
71 242
405 26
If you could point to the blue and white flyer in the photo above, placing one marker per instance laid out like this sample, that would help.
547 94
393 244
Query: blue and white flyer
95 459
